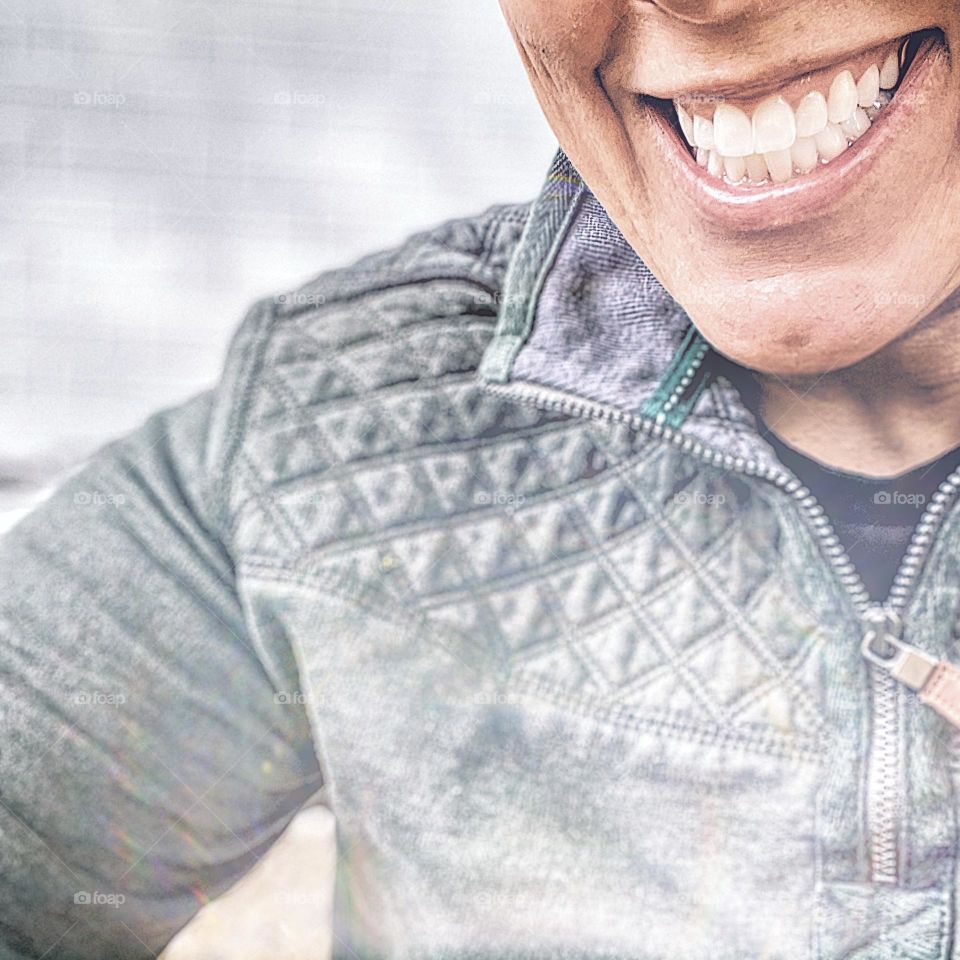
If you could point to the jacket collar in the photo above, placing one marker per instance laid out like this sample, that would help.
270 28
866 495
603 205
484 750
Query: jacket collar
584 326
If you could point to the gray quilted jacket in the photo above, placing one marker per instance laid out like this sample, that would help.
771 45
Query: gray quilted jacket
472 536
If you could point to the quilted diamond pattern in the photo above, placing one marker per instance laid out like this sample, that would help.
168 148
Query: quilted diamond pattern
584 557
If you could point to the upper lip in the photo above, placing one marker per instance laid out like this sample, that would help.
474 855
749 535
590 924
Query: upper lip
726 83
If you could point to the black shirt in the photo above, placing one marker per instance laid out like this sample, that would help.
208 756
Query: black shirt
873 518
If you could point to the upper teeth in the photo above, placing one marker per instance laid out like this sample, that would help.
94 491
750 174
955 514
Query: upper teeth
778 141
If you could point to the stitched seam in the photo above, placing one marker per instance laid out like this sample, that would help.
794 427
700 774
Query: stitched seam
778 745
802 748
486 249
403 281
249 365
264 504
533 259
332 585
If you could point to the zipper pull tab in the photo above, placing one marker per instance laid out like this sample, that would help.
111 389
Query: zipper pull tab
936 682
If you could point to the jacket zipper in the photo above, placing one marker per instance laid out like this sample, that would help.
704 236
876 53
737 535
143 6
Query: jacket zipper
883 619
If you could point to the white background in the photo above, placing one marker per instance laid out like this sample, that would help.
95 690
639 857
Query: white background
165 162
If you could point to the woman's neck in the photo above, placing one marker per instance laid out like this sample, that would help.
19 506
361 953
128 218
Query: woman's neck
887 414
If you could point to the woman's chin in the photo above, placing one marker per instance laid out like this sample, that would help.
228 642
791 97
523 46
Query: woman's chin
799 343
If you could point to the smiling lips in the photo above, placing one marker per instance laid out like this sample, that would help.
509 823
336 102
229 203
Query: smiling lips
780 142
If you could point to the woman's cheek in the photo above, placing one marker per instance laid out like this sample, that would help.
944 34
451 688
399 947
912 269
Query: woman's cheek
564 38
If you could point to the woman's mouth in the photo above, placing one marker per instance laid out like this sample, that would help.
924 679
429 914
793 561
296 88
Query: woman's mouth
772 155
806 124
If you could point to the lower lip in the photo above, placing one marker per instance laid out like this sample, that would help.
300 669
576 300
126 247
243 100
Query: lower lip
759 207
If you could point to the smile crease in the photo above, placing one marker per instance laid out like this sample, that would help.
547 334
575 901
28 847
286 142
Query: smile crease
781 141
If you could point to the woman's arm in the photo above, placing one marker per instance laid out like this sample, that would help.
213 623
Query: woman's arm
148 757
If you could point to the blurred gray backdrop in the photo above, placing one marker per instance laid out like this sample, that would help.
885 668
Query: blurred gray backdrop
165 162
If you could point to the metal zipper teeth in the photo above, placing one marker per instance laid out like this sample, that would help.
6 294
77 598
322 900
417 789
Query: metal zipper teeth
883 776
883 779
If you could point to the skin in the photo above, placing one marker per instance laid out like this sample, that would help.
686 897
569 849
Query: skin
280 910
849 317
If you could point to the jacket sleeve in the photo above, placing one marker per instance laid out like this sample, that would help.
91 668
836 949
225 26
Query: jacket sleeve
147 757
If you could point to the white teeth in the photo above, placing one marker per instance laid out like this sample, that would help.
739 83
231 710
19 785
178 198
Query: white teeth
778 143
868 87
857 125
703 132
831 142
735 168
842 100
774 126
780 165
804 153
756 168
890 72
811 114
686 124
732 131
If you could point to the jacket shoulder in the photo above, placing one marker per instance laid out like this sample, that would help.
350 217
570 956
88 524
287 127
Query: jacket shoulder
416 311
376 363
417 308
472 249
